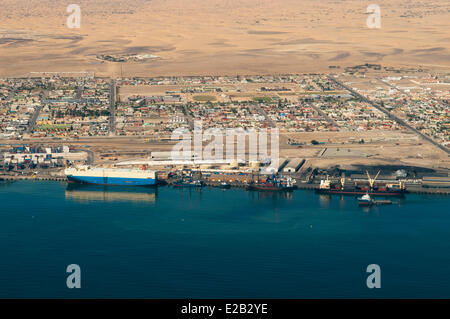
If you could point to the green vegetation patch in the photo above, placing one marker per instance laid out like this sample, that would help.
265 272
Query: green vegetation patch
204 98
263 99
49 127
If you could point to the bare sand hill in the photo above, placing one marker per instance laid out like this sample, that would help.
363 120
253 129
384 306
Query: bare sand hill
221 36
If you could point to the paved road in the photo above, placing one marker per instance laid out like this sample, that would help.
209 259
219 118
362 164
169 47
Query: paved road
325 116
33 119
37 111
391 116
11 95
79 93
262 112
112 106
188 116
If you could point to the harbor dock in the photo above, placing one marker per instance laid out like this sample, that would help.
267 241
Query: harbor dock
33 178
412 189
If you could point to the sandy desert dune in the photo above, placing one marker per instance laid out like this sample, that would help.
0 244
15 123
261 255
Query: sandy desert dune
196 37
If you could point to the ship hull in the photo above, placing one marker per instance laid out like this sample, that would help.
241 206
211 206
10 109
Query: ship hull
365 203
360 192
116 181
270 188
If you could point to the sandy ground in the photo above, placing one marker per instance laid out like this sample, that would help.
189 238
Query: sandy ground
395 149
220 36
229 37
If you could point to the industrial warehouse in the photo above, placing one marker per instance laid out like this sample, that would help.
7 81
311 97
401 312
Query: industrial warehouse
49 162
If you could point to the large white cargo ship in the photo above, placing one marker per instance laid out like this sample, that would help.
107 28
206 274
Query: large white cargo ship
111 176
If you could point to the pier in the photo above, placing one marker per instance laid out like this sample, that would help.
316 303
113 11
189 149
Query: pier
416 189
33 178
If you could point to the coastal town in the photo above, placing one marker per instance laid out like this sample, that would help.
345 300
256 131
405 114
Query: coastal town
72 107
224 158
366 115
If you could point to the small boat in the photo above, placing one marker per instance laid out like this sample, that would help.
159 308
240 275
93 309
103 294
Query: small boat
224 185
195 183
365 200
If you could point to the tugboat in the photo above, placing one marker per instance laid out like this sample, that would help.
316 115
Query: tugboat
188 183
365 200
224 185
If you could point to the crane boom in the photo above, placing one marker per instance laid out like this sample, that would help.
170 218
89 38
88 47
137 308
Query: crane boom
372 180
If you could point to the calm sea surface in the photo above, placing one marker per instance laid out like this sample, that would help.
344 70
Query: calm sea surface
212 243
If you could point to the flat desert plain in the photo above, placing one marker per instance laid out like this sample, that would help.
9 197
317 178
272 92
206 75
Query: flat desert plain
199 37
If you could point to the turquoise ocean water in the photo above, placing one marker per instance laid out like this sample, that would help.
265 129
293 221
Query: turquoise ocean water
213 243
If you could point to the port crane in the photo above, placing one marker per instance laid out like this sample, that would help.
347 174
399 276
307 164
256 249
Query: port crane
372 180
343 180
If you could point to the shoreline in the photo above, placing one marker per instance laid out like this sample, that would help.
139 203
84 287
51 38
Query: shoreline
419 189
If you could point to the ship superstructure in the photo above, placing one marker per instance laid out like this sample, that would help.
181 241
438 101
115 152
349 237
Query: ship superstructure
273 183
